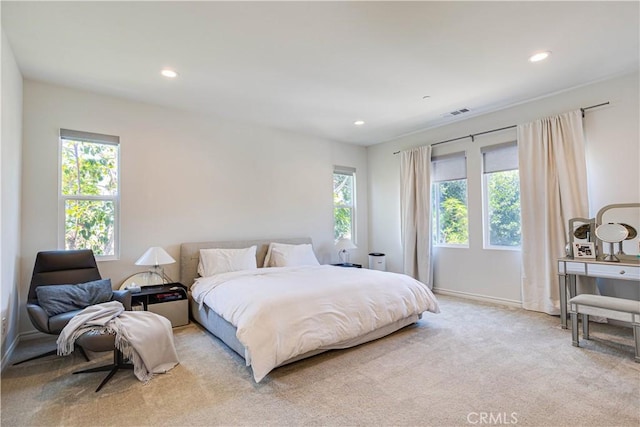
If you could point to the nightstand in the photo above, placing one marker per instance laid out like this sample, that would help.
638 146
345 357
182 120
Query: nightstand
348 264
168 300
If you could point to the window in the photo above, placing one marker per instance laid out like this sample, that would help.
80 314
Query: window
501 189
344 202
449 189
89 192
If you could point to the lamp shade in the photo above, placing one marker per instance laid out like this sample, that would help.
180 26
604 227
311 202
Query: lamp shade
155 256
344 244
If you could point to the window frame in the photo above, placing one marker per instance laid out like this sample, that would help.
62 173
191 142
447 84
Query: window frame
348 171
486 224
437 177
93 138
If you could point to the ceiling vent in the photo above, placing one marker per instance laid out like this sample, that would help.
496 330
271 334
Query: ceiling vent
460 111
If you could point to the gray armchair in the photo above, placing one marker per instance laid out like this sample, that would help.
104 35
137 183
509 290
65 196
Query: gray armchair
62 268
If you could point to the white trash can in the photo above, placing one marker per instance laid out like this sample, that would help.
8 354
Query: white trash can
377 261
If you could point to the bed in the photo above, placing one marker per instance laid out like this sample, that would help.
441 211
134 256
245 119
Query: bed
287 312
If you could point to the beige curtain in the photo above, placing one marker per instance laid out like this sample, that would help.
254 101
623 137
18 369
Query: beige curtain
553 189
415 209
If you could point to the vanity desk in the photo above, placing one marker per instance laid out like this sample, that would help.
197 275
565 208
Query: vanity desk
604 247
569 268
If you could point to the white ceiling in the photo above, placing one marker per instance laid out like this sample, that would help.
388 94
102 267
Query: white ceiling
316 67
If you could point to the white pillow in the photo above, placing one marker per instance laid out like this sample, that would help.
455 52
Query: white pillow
283 255
272 245
216 261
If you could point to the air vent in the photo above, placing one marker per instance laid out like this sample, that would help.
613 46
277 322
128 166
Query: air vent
460 111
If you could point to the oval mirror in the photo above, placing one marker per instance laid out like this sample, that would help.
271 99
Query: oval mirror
612 233
632 231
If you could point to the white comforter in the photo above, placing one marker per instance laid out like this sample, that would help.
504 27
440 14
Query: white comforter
283 312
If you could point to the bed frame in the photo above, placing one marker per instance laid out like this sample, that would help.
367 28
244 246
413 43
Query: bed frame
189 257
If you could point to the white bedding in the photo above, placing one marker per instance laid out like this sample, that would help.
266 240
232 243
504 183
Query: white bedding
283 312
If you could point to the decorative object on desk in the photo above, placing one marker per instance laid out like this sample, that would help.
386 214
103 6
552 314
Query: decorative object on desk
621 213
583 232
632 235
157 257
611 233
580 230
344 244
137 281
632 231
584 250
133 288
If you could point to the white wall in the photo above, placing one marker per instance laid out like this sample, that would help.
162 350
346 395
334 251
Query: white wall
185 178
10 167
613 155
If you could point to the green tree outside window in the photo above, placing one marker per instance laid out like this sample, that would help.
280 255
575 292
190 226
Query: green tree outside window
343 201
89 189
503 192
450 215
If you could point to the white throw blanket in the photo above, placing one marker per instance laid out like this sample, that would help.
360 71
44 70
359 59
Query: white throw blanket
145 338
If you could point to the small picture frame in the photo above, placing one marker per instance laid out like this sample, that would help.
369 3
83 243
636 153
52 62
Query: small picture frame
584 250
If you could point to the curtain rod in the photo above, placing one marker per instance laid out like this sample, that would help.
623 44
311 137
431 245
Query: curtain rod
473 135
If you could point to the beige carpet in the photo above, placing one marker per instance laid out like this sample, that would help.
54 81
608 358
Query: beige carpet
473 364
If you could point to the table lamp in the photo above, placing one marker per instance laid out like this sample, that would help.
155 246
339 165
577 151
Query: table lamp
157 257
343 245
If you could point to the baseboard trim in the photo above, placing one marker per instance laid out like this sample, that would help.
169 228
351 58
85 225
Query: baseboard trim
32 335
477 297
22 336
7 355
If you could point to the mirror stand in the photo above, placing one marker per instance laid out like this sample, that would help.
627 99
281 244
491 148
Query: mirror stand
610 257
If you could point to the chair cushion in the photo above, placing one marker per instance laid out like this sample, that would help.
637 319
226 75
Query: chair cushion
609 303
59 321
97 341
57 299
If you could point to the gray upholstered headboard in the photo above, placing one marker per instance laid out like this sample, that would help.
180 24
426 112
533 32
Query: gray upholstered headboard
190 253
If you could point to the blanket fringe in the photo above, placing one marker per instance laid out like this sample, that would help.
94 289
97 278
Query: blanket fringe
105 319
139 369
66 347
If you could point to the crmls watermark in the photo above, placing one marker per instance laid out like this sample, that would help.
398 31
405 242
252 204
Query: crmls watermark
492 418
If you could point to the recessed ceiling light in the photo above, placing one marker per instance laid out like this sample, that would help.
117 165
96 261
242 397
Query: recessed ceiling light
358 122
539 56
169 73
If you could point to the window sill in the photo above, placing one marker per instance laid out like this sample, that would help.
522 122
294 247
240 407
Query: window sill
452 246
503 248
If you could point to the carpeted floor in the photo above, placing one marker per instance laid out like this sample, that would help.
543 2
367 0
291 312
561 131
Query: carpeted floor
473 364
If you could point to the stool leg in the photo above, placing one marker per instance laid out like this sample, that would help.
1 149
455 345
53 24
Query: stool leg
96 369
585 326
84 353
118 363
574 329
108 377
636 339
48 353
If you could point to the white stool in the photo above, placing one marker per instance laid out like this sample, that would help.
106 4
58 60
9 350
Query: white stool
625 310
